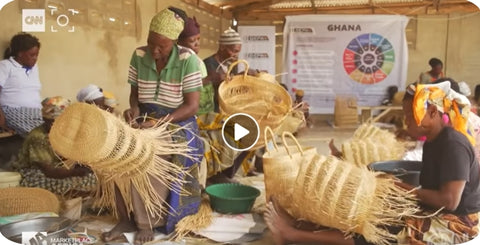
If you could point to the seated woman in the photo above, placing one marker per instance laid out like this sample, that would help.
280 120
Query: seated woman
92 94
434 73
41 167
449 177
20 101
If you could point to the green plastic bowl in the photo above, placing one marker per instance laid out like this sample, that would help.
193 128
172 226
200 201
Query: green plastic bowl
232 198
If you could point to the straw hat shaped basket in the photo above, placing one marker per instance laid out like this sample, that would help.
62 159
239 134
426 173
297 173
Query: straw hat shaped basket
371 144
20 200
118 154
281 166
350 198
269 103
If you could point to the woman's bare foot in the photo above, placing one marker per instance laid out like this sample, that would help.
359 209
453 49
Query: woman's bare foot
118 230
143 236
279 223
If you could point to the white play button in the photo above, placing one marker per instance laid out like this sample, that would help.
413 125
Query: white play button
239 131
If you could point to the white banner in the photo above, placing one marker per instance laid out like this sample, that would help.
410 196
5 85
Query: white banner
329 55
258 47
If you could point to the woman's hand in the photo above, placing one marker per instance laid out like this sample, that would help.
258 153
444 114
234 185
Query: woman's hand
80 171
131 114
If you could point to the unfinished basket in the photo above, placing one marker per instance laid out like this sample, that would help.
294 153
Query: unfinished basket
20 200
371 144
281 166
118 154
340 195
269 103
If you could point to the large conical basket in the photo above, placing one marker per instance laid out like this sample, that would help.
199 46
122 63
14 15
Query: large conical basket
269 103
372 144
281 166
353 199
118 154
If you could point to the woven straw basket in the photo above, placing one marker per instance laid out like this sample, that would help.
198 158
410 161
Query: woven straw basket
20 200
349 198
371 144
281 166
118 154
267 102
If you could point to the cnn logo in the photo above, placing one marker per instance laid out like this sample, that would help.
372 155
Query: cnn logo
33 20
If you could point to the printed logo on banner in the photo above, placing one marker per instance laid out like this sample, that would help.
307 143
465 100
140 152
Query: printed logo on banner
306 30
258 55
257 38
33 20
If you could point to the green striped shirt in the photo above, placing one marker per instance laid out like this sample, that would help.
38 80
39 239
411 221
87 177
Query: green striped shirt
181 75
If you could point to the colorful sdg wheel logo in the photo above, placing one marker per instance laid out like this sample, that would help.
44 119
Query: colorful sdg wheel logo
369 58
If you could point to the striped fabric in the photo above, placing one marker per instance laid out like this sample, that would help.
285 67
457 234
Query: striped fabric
181 75
22 119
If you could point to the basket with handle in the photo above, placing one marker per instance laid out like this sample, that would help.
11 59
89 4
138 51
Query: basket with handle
350 198
281 166
269 103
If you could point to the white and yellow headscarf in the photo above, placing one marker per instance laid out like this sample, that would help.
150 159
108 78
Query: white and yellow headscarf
456 105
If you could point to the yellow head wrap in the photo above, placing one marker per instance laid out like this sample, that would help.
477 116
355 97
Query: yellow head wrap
110 99
456 105
167 23
54 106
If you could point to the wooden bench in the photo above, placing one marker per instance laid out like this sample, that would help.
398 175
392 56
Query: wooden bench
366 112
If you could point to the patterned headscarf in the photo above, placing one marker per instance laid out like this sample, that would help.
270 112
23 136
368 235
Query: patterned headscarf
52 107
456 105
230 37
168 24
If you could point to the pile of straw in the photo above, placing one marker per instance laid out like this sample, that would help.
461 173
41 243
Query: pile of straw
371 144
118 154
195 222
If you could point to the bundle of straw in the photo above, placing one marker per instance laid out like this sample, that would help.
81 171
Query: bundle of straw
195 222
340 195
118 154
21 200
371 144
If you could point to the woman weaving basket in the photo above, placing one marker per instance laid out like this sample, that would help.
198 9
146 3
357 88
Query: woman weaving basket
449 177
41 167
165 84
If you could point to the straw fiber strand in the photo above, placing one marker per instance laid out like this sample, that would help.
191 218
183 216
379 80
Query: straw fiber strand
120 155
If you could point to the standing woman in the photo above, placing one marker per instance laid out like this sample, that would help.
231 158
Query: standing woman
434 73
165 82
190 38
20 86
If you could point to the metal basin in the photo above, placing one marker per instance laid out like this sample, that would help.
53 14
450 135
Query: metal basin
55 227
407 171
